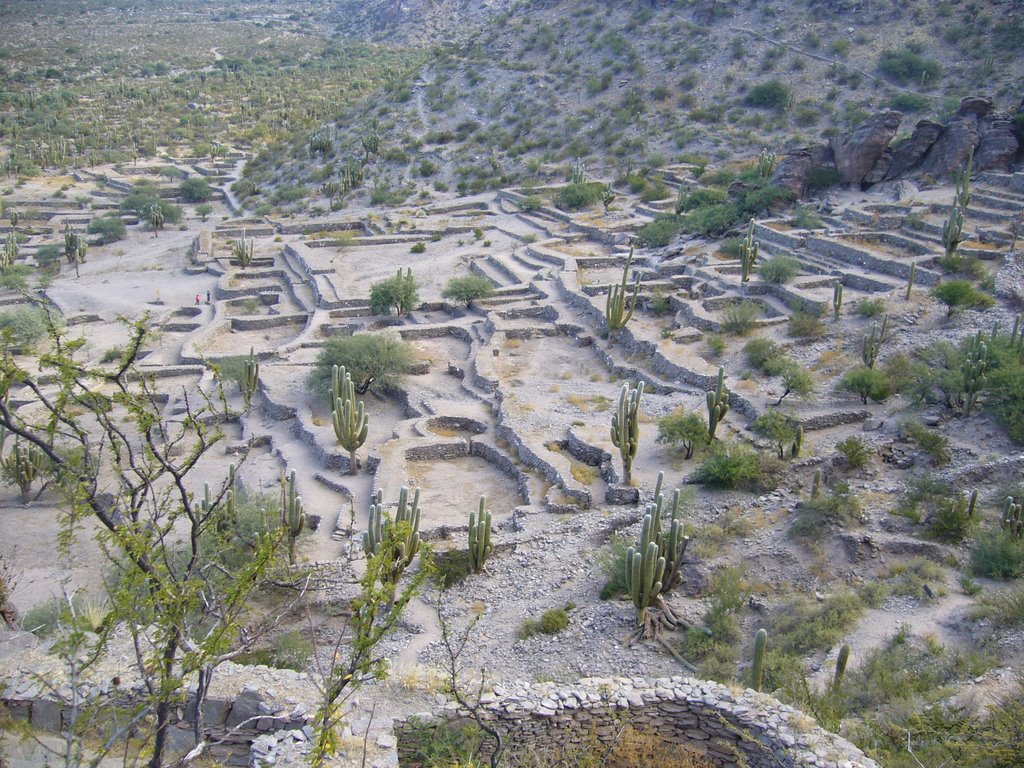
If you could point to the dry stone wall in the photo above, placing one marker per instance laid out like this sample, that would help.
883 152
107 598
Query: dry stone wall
728 727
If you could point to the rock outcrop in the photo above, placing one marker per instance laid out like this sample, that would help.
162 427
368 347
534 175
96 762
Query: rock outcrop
961 135
910 152
794 170
857 152
999 143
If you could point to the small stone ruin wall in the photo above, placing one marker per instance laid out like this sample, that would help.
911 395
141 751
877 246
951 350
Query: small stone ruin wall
729 728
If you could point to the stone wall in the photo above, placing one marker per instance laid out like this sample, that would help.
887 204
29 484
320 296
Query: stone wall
728 728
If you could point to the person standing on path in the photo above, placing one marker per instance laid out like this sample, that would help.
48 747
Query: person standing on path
197 299
207 297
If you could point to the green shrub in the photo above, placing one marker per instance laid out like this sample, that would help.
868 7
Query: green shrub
716 344
910 102
804 325
1003 607
772 94
870 307
195 190
840 507
933 443
998 555
23 327
14 278
950 522
807 218
398 293
144 197
418 248
573 197
731 465
779 269
905 66
612 561
110 228
855 451
551 622
740 318
759 351
801 626
660 232
683 429
467 289
702 198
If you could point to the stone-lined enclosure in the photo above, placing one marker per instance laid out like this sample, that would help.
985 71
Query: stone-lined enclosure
510 398
726 726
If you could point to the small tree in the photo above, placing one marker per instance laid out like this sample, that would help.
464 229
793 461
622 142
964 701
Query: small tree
467 289
399 293
797 380
682 429
778 428
867 383
110 228
370 358
195 190
960 294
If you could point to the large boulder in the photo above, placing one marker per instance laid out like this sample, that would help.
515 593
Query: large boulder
951 149
908 154
794 170
877 173
976 106
999 143
857 152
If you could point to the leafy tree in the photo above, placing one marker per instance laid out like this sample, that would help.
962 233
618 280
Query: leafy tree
778 428
204 210
797 380
398 293
468 289
185 610
867 383
779 269
960 294
772 94
110 228
370 359
195 190
682 429
143 198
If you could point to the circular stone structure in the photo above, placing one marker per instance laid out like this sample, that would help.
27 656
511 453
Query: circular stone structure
728 726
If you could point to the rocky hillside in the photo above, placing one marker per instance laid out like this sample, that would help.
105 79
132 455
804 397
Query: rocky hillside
413 21
637 85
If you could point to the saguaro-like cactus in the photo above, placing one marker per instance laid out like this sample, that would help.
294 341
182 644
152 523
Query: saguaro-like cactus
766 163
841 661
952 230
718 404
798 443
757 666
873 343
607 197
480 536
351 423
963 182
293 518
1011 521
626 427
671 542
1017 335
9 253
242 250
837 300
579 172
616 313
749 250
973 371
156 219
250 378
24 465
910 279
816 484
645 569
407 518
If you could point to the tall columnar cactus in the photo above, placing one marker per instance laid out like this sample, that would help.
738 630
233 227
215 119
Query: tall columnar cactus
798 443
10 252
607 197
816 484
841 661
626 427
250 378
579 172
718 404
910 279
757 666
671 542
349 418
1011 521
616 312
972 503
837 300
293 518
1017 335
407 522
972 371
480 547
645 570
242 251
749 250
156 219
766 163
952 230
873 342
963 182
24 465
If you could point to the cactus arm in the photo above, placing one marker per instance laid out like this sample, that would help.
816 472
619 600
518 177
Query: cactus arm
718 404
480 536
